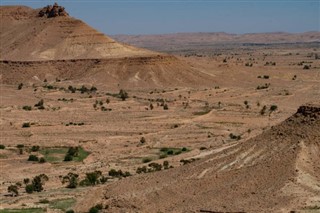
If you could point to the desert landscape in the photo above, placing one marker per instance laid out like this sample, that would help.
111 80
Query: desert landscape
195 122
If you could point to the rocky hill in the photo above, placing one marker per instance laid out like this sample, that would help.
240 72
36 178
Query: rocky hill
38 42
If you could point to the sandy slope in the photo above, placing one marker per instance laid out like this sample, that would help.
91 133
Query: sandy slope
28 37
277 171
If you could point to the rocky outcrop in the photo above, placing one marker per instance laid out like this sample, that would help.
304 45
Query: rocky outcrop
309 110
52 11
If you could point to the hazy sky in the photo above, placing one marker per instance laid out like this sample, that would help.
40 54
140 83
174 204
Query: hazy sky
165 16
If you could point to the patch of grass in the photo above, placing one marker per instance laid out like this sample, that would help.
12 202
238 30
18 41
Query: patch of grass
63 205
146 160
2 156
205 111
55 155
31 210
81 155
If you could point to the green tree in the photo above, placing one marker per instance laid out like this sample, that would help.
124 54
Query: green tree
123 95
29 188
93 177
33 158
13 189
71 179
38 182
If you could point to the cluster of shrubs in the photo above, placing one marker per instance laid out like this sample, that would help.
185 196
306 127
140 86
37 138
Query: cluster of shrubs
119 173
26 125
96 209
123 95
82 89
187 161
248 64
71 179
246 103
265 86
271 109
40 104
164 152
306 67
153 167
36 159
92 178
27 108
270 63
65 100
100 103
75 124
264 76
36 185
303 62
234 137
263 110
50 87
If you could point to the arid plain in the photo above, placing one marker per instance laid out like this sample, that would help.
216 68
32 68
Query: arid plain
203 130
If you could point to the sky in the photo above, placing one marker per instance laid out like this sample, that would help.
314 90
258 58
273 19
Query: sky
171 16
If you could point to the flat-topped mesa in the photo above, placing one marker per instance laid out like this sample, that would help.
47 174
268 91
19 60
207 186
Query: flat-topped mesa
52 11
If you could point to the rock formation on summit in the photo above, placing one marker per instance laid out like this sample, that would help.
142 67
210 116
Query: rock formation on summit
51 11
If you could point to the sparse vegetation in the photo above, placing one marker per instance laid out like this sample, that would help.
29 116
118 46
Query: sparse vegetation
35 148
91 179
146 160
118 173
33 158
26 125
172 151
187 161
306 67
263 110
20 86
62 204
123 95
24 210
40 104
265 86
96 208
27 108
264 76
37 184
273 108
13 190
142 140
55 155
234 137
153 167
165 107
270 63
71 179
